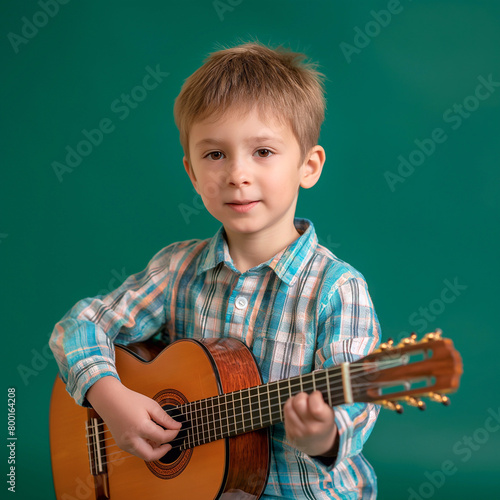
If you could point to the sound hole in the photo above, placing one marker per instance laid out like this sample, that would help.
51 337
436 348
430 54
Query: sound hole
175 452
176 460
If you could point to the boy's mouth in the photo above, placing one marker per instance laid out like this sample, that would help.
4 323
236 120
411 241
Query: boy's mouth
242 206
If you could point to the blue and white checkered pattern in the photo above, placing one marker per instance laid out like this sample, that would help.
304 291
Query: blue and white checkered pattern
302 310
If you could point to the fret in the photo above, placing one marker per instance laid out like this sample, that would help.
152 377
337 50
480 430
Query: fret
197 422
202 404
255 410
314 381
280 406
193 424
269 404
223 415
309 383
204 416
320 383
230 413
250 408
259 408
246 410
284 393
328 389
190 429
297 385
275 402
262 408
185 442
217 416
235 414
211 420
227 411
267 407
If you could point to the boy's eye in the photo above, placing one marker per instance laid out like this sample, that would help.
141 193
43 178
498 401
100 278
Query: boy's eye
215 155
264 153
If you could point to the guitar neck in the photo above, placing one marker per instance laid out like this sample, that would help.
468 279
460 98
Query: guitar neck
235 413
388 375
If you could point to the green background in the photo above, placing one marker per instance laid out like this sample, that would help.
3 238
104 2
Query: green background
67 237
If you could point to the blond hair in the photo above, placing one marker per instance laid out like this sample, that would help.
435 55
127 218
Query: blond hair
279 82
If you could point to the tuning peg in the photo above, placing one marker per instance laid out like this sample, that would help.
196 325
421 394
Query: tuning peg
412 339
386 345
391 405
435 335
415 402
439 398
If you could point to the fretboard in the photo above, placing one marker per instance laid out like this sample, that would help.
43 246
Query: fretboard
254 408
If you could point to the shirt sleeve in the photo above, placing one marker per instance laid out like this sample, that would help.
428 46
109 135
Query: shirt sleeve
348 330
82 342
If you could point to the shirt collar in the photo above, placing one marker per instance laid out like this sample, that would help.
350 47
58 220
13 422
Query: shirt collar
286 264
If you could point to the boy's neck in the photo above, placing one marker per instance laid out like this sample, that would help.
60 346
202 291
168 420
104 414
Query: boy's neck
250 250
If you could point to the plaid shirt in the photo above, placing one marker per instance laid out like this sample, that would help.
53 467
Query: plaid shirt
302 310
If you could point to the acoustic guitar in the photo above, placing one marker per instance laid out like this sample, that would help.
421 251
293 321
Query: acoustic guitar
214 387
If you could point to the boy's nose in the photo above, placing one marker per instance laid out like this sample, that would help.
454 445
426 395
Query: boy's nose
237 173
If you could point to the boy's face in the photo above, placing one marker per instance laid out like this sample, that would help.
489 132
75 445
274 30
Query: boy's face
248 172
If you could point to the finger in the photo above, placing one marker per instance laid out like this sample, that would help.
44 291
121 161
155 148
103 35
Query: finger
157 434
317 407
145 450
300 405
293 423
158 452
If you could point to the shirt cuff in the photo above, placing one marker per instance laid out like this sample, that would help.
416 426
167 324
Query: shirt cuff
355 423
85 374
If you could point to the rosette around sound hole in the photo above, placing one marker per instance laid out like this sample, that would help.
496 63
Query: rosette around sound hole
176 460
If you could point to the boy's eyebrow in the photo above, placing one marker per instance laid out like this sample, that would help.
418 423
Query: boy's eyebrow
249 140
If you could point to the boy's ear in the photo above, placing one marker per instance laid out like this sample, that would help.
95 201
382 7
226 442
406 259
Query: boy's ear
313 166
189 171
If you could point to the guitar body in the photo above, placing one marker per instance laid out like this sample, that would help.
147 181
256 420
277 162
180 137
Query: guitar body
215 389
186 371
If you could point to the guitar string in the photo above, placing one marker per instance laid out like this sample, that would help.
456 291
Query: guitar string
173 443
198 433
272 394
181 440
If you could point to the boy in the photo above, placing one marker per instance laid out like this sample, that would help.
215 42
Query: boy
249 122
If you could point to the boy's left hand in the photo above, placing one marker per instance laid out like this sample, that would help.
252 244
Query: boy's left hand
310 424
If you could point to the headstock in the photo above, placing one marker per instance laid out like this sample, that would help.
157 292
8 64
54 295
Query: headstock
430 367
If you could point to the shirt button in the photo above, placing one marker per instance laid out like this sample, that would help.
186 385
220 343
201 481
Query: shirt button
241 302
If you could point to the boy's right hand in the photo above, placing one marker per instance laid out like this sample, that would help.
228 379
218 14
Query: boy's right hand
138 424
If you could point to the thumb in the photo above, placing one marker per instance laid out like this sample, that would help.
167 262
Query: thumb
161 417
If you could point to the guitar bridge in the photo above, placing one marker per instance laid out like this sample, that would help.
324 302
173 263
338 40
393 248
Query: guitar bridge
97 454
